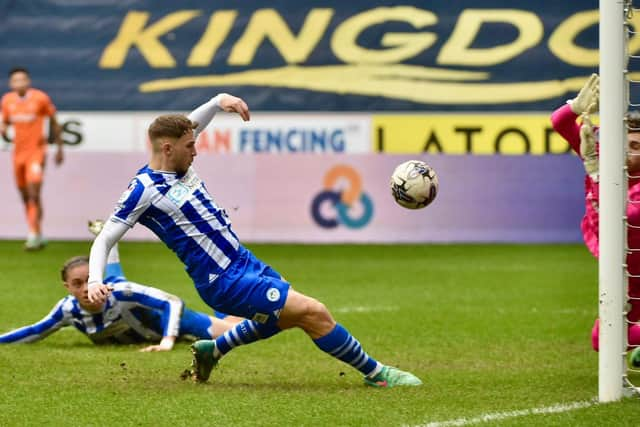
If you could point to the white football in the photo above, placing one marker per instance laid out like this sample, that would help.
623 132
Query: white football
414 184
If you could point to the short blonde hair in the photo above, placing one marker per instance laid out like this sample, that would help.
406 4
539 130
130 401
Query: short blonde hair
170 126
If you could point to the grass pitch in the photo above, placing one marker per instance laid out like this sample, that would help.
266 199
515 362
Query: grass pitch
489 329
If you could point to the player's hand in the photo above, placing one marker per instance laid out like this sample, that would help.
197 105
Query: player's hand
98 292
156 347
233 104
588 150
3 131
59 157
165 345
588 99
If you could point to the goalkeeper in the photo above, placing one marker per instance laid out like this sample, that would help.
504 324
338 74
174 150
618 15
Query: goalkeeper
132 314
583 138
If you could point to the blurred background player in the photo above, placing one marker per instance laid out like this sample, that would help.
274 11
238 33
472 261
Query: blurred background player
132 314
169 198
583 140
25 109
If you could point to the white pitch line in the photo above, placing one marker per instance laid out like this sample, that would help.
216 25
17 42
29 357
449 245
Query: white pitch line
499 416
364 309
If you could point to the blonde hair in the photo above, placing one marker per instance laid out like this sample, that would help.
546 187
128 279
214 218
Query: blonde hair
170 126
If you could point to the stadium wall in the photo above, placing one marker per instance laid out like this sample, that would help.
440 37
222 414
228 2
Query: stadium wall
359 85
283 198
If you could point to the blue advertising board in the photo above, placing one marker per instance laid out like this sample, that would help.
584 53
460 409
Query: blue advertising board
289 55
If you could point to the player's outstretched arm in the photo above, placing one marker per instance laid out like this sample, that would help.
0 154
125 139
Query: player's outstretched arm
205 113
111 233
3 130
588 149
52 322
4 119
233 104
165 345
57 139
588 99
563 121
221 102
564 118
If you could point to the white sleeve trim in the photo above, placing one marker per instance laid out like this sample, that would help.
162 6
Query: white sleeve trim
175 315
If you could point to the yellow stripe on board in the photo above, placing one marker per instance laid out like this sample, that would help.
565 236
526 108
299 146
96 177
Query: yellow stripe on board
482 134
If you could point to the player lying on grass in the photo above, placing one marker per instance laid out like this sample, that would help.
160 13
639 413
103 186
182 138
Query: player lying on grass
584 141
169 198
132 314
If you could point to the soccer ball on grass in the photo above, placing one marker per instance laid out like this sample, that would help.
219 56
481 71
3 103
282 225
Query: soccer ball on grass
414 184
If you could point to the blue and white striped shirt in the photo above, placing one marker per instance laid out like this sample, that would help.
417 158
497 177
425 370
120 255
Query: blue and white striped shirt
180 211
133 313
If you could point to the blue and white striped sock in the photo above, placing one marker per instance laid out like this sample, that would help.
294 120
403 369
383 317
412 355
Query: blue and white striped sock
340 344
243 333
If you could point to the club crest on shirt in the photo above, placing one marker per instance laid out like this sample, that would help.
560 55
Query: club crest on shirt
178 193
183 188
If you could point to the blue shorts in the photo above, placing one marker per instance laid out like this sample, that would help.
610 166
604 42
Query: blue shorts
191 322
249 288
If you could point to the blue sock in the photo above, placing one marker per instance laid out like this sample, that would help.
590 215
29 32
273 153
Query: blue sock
113 273
244 332
340 344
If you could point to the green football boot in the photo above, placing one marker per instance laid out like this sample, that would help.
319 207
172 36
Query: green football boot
203 360
392 377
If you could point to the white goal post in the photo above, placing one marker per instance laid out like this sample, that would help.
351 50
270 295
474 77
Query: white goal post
612 276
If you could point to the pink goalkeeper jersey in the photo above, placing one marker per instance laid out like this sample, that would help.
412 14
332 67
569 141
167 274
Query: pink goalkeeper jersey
564 122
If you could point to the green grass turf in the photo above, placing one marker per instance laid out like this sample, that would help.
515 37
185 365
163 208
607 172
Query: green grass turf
489 328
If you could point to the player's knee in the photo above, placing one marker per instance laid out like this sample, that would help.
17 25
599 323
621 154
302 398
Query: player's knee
318 318
317 310
306 313
311 311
